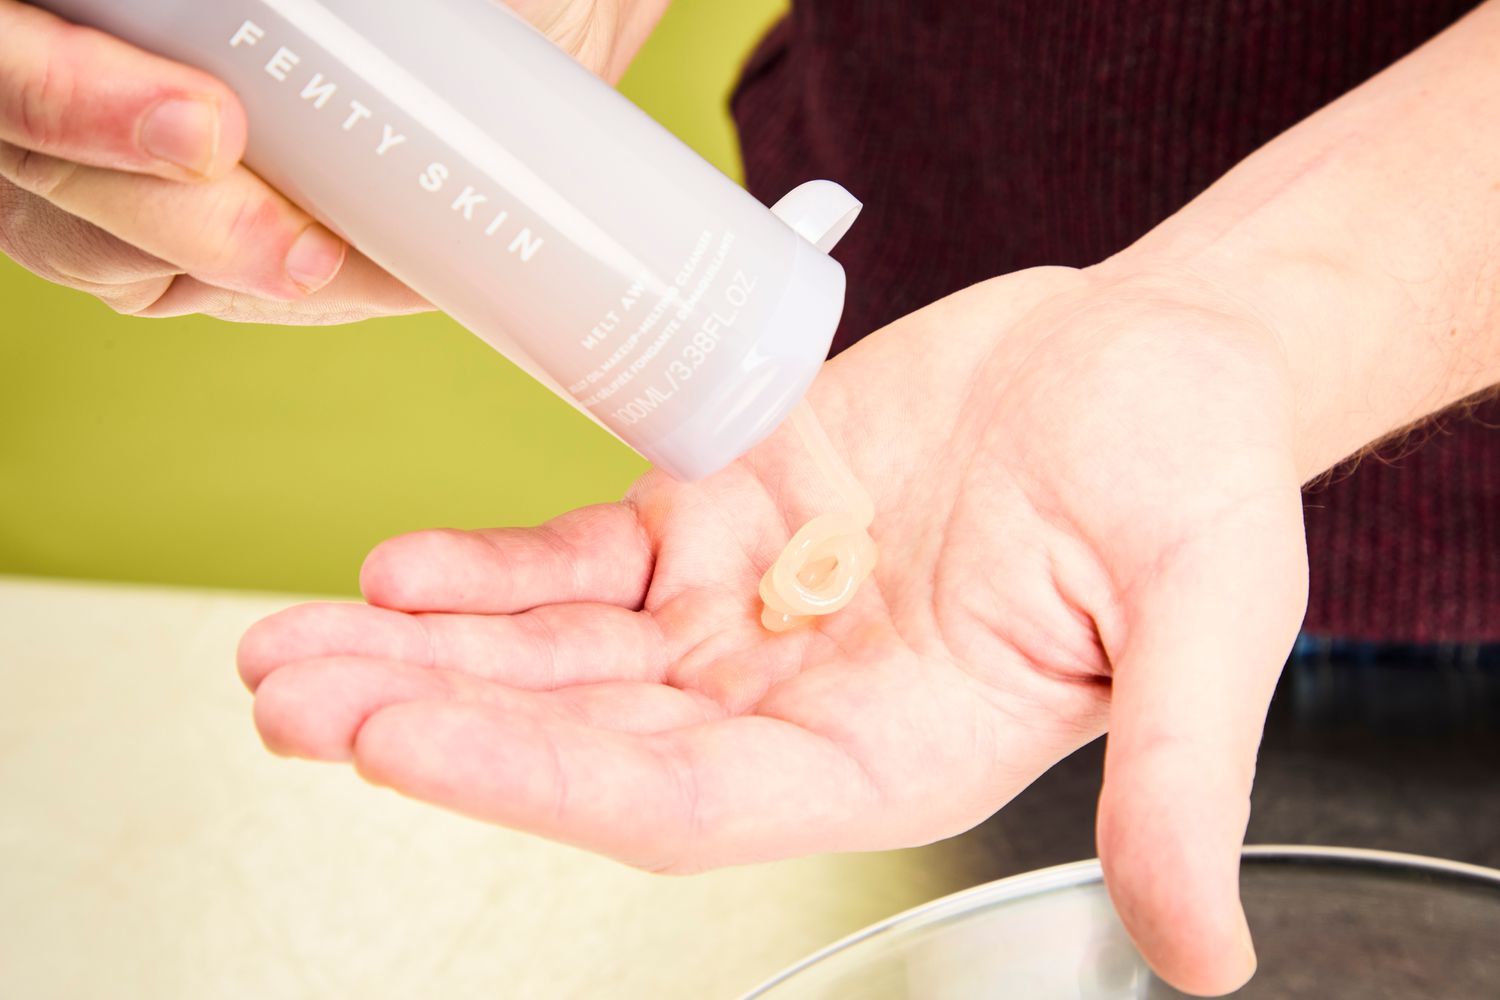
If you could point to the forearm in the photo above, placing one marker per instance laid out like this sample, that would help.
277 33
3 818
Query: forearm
1368 239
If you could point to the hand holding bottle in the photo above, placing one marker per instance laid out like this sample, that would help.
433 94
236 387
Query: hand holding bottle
120 176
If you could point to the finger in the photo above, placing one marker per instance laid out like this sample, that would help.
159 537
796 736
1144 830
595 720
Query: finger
66 250
361 290
236 232
314 709
80 95
738 790
604 39
641 20
596 554
550 647
1207 638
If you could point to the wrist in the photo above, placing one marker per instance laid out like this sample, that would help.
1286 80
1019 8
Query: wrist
1269 313
1365 241
1371 339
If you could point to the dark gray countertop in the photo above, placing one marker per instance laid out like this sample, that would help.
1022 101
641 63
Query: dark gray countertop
1395 752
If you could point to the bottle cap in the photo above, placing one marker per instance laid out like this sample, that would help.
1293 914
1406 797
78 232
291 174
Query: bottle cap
780 366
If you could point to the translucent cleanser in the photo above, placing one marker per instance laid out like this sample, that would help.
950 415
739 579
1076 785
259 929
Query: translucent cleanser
822 567
463 152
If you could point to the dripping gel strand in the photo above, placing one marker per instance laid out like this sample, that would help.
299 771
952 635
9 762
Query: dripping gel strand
822 567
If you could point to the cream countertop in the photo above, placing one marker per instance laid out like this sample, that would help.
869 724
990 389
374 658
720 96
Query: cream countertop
150 848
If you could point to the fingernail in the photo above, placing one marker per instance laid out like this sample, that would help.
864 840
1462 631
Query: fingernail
183 132
315 258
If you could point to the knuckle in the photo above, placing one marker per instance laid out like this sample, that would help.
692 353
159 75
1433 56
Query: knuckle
43 96
253 221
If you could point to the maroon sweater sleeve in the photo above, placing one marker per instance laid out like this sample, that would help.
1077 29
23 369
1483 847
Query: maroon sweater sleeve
990 135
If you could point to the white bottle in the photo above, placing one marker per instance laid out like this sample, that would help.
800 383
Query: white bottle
466 154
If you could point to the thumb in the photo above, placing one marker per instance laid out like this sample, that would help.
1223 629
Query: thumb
1209 631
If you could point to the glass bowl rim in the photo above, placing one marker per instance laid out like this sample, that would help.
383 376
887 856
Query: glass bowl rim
1080 873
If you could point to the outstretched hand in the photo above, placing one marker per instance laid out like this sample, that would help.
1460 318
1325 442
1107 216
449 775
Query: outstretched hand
1089 518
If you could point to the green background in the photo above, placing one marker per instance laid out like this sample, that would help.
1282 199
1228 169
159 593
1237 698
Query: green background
203 453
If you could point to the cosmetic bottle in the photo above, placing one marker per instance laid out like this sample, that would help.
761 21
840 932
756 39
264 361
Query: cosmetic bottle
463 152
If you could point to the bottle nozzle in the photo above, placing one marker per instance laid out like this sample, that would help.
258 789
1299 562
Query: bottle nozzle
821 212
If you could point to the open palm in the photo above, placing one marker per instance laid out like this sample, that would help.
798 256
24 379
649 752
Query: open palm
1088 518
